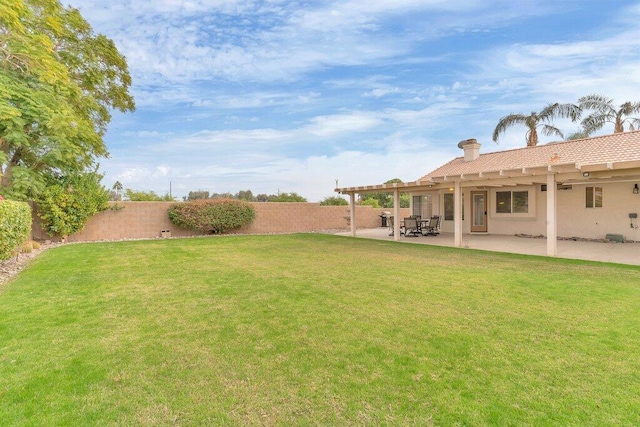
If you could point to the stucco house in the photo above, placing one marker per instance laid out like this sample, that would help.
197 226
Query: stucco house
582 188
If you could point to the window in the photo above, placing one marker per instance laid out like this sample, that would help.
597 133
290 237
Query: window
593 197
503 202
512 202
422 205
448 207
520 201
417 205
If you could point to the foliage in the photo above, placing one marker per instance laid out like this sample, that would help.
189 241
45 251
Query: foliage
197 195
537 120
317 329
374 203
226 195
69 201
58 81
212 215
115 194
146 196
29 246
384 200
246 195
606 112
286 197
15 226
334 201
581 134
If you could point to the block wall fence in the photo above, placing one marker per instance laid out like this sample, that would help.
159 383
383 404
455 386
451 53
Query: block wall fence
147 220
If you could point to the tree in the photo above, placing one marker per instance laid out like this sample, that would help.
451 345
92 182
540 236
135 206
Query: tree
581 134
67 202
226 195
116 192
197 195
537 120
245 195
334 201
287 197
58 82
146 196
606 112
384 200
373 202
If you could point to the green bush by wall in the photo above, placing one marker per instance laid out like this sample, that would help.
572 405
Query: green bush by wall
15 226
212 215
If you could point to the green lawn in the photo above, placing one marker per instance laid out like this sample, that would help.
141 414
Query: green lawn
316 330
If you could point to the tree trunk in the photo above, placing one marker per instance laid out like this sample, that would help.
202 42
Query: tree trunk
532 141
5 179
619 127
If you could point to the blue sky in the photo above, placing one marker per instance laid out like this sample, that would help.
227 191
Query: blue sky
291 95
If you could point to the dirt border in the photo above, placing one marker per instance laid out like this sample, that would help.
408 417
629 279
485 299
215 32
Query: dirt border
11 267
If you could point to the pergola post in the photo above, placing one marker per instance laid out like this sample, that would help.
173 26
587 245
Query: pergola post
552 221
352 203
457 215
396 215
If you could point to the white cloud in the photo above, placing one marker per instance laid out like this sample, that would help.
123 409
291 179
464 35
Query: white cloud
287 95
380 92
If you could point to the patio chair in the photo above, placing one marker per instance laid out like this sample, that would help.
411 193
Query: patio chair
433 228
411 227
419 221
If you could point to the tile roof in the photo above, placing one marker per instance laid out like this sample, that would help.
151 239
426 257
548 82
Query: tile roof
620 147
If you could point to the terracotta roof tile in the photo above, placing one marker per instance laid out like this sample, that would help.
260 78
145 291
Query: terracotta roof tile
614 148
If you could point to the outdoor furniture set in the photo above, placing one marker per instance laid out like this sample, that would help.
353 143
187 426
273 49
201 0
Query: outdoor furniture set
415 226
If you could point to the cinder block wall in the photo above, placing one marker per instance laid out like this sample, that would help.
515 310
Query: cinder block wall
144 220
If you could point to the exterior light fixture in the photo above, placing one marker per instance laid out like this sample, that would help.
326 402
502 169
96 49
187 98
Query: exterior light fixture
636 190
585 174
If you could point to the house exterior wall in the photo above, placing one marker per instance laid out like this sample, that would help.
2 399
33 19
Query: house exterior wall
574 219
146 220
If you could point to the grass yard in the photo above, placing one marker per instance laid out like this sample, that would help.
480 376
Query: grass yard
316 330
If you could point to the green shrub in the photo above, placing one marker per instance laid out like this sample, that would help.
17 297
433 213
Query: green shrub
334 201
212 215
370 202
68 203
15 226
27 248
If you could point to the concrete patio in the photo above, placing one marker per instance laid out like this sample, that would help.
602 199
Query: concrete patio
622 253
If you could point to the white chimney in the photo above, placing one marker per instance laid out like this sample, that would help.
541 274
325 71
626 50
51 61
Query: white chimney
471 149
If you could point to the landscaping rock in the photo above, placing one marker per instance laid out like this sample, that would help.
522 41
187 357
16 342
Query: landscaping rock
13 266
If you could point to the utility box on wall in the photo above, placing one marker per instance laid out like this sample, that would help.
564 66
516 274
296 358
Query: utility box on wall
165 233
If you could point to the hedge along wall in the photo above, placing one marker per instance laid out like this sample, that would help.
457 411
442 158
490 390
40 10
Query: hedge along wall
15 226
145 220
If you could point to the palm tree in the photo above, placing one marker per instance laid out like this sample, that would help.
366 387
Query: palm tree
606 112
581 134
118 188
535 120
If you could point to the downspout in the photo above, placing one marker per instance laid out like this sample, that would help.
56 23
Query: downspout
552 220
